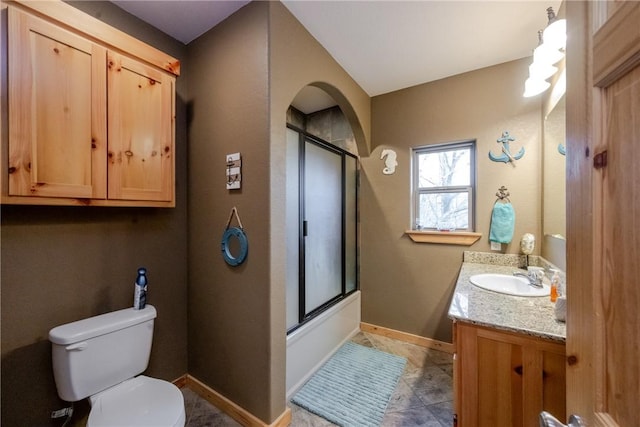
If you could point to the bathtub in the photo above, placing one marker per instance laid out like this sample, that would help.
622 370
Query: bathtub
309 346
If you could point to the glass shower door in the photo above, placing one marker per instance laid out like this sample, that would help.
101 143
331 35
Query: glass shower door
322 225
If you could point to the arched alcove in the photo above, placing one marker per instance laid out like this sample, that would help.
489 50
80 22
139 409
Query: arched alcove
322 291
322 104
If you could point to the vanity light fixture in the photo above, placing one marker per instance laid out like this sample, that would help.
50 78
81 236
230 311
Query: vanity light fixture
555 35
551 45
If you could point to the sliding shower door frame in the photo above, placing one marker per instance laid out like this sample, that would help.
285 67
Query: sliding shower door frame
303 315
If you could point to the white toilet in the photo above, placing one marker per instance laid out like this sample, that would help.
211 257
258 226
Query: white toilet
99 358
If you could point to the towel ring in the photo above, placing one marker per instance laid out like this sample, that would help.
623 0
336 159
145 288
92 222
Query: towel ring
238 233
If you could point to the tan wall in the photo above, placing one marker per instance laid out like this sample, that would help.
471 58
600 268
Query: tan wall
408 286
229 309
297 60
61 264
240 96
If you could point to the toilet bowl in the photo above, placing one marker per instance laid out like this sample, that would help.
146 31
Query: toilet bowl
102 358
129 404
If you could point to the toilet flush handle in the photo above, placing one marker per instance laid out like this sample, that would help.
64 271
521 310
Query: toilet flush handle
79 346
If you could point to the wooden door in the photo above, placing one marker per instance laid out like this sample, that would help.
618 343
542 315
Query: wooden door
141 131
603 205
57 111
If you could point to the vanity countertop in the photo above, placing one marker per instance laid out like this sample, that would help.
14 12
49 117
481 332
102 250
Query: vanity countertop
528 315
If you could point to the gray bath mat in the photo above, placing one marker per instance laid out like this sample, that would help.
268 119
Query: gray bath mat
353 388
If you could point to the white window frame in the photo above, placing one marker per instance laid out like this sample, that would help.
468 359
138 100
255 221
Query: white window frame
470 189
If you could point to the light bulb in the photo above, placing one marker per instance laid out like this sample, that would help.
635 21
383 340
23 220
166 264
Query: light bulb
555 35
541 71
533 87
545 54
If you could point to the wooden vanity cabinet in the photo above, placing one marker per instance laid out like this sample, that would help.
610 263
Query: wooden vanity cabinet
87 124
506 379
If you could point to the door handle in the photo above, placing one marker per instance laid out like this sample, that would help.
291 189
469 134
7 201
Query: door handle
548 420
77 346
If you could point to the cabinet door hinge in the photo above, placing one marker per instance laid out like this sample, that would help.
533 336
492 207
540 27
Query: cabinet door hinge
600 160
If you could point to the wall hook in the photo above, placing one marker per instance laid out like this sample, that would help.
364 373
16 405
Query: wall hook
503 194
506 155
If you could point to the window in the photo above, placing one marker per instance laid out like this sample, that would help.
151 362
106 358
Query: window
444 186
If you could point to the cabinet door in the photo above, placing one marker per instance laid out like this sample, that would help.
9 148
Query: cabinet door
544 380
506 379
141 122
500 379
554 381
489 378
57 114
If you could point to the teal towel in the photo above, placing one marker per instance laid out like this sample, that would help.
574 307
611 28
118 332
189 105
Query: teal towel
503 221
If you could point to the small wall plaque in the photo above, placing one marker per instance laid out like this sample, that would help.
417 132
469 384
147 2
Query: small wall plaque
234 176
390 161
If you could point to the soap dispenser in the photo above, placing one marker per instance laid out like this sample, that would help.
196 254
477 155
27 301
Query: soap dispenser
555 286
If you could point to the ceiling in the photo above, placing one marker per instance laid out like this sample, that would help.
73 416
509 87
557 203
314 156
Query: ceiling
383 45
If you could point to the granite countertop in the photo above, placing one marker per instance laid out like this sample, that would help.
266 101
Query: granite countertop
528 315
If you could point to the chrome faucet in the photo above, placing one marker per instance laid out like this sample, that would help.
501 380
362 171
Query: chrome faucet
535 278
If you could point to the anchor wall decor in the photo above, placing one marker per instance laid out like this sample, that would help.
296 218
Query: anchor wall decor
506 155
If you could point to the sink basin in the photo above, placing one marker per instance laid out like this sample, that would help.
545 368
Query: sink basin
510 285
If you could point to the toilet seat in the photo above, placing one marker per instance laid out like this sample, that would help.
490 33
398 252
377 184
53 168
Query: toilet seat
140 401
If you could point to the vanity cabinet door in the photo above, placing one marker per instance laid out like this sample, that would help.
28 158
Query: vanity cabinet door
499 382
141 131
57 111
506 379
554 380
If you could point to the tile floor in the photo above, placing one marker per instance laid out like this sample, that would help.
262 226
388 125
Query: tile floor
424 396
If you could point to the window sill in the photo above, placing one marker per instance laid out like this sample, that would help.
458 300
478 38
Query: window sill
465 238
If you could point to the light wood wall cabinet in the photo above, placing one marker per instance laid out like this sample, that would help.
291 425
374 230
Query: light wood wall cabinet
91 112
506 379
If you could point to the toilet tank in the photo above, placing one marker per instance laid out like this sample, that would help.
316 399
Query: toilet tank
93 354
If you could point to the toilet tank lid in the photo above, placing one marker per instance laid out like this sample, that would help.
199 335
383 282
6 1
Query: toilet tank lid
99 325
